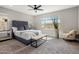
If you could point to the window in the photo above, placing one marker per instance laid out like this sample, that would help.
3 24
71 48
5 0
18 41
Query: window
47 22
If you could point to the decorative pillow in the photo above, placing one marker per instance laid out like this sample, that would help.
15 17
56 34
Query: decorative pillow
14 29
26 27
21 28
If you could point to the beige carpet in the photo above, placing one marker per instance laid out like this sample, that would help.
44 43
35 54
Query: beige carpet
52 46
10 46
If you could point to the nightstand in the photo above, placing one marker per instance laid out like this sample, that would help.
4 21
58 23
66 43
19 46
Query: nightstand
5 34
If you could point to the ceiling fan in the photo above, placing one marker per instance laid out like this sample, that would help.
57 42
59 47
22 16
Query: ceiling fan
35 7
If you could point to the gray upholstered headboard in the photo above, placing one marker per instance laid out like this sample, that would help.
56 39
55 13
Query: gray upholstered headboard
21 25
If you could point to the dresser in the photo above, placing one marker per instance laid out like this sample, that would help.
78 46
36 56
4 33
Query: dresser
5 35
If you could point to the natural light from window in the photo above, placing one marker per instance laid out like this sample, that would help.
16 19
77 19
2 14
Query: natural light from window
47 22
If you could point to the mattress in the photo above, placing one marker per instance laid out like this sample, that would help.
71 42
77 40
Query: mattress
22 34
27 34
37 32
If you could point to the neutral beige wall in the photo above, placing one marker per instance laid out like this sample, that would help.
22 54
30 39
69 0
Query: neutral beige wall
13 15
68 18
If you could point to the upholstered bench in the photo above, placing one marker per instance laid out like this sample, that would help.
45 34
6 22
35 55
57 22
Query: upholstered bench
38 40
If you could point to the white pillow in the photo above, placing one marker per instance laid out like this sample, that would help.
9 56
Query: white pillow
14 29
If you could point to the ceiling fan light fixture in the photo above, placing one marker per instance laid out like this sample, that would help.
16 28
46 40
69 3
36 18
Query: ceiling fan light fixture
36 7
35 11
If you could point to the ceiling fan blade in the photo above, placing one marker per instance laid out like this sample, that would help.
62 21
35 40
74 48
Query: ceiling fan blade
30 6
40 9
38 6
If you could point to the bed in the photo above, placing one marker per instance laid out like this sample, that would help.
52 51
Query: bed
22 33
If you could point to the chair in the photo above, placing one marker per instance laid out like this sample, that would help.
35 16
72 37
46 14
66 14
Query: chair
70 35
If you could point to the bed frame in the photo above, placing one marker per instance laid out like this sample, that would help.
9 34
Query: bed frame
21 25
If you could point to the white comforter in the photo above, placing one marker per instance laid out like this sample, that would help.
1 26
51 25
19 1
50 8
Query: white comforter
27 34
37 32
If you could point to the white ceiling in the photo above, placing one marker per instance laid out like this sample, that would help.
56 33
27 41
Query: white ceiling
47 8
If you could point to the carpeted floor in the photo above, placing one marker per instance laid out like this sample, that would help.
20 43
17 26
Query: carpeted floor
52 46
